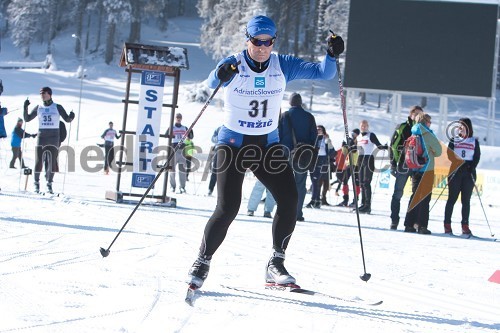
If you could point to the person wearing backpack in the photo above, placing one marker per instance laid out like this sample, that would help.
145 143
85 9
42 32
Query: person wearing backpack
422 179
49 115
461 182
366 143
398 168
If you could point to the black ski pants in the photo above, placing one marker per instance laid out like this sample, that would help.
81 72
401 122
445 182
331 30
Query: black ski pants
460 183
366 166
270 166
46 153
418 207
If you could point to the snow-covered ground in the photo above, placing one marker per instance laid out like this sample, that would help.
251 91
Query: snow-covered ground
53 278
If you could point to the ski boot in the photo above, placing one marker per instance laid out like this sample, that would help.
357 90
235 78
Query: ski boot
276 272
37 187
447 229
466 230
199 271
49 188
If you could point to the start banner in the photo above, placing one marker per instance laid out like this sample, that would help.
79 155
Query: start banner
148 127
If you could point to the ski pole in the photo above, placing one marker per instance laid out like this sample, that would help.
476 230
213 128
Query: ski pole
105 252
23 146
379 172
477 191
366 276
444 188
67 157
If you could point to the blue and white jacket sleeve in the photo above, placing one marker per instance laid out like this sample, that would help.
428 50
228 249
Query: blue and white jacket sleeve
295 68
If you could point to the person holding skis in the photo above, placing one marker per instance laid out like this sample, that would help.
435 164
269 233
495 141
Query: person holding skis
109 137
18 134
462 179
48 141
254 83
398 168
366 143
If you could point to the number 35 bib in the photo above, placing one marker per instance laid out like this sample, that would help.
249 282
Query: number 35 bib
252 101
48 116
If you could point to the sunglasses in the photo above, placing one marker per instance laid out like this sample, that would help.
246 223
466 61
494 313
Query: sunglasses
43 93
260 42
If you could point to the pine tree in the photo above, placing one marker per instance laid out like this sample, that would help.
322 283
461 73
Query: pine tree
24 20
117 11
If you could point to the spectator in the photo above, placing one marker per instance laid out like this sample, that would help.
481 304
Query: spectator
255 198
18 134
213 162
366 143
422 180
321 171
3 112
398 167
298 126
189 151
343 172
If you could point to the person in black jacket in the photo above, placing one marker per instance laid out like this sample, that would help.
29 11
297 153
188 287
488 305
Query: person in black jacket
398 168
305 131
461 180
49 138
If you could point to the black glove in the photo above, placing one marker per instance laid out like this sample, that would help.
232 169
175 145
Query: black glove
71 115
226 71
335 45
26 103
394 170
33 135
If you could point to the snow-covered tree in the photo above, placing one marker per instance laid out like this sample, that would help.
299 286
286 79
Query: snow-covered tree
337 17
24 18
117 11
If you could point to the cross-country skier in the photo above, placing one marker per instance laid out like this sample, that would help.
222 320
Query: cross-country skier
254 84
461 181
49 114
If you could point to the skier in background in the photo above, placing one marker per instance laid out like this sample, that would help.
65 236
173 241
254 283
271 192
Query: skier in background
48 142
109 137
461 181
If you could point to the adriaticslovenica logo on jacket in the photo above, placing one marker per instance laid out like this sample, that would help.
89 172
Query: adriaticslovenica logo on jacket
260 82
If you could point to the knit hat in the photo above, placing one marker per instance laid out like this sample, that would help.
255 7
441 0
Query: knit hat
47 90
260 25
355 131
20 120
295 99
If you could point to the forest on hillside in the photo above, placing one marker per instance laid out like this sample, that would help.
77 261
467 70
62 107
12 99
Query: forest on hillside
302 24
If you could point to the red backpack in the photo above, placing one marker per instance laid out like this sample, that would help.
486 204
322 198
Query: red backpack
414 152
